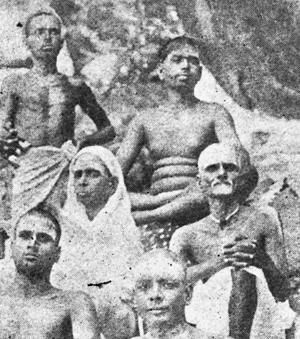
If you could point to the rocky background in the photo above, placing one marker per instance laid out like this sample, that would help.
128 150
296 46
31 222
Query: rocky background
251 56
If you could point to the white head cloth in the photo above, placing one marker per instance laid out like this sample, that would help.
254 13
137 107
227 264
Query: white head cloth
106 247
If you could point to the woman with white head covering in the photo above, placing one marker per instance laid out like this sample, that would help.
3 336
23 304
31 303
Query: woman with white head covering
100 241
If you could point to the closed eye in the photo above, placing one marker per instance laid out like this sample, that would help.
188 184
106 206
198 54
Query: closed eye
212 168
229 167
44 238
25 235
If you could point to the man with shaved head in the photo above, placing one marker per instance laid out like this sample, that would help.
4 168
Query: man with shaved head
232 235
31 307
161 292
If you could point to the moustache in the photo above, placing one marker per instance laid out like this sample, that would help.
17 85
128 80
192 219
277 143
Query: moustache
222 182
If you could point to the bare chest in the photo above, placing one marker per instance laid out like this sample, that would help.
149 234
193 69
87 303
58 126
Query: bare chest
35 320
183 133
45 112
210 240
45 100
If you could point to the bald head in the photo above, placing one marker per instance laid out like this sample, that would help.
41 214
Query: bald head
220 169
161 289
217 153
160 261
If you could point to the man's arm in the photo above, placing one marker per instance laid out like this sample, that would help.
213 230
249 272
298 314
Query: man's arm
224 126
84 317
10 143
199 271
87 101
8 104
131 145
273 259
189 204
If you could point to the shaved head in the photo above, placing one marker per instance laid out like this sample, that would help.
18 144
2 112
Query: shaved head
153 260
216 153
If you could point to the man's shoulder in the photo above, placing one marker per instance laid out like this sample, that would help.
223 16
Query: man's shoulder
211 106
76 297
195 333
13 80
259 212
190 230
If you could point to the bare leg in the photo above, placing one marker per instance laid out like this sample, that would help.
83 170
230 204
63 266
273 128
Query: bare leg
242 304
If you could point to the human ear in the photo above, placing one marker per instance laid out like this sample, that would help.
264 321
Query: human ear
200 72
114 182
188 293
57 254
160 71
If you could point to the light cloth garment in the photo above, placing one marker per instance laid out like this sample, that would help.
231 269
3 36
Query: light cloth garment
106 247
101 250
39 171
209 307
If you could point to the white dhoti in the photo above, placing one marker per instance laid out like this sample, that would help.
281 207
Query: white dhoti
209 307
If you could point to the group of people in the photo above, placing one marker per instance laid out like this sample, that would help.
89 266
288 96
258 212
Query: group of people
91 259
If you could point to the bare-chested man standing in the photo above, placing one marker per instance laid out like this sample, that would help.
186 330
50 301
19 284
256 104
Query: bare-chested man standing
233 235
31 307
39 107
40 104
175 134
161 292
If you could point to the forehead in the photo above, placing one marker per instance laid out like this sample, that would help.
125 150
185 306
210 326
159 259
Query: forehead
184 50
44 21
163 269
218 156
36 224
88 160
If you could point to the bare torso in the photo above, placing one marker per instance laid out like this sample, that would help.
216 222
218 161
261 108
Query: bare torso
204 240
202 244
42 317
42 108
179 130
175 135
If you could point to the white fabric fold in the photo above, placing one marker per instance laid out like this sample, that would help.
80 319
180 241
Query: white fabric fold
209 307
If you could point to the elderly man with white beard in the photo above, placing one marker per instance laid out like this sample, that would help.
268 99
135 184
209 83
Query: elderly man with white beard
233 236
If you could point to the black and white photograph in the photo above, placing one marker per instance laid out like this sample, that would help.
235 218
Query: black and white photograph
150 169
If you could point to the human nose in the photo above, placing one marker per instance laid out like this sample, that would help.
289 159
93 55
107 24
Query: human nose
156 294
47 35
83 179
222 173
33 241
185 63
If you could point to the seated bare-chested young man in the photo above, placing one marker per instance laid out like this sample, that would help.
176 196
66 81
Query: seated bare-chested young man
175 134
39 111
31 307
161 292
232 235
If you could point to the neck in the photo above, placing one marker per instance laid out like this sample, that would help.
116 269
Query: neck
45 66
30 285
176 96
221 207
168 330
92 211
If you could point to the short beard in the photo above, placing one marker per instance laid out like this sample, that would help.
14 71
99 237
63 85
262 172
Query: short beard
33 272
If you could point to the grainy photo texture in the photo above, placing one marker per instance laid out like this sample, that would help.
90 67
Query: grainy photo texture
149 166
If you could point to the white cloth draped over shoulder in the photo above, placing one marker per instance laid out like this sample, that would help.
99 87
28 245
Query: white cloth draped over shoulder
103 249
